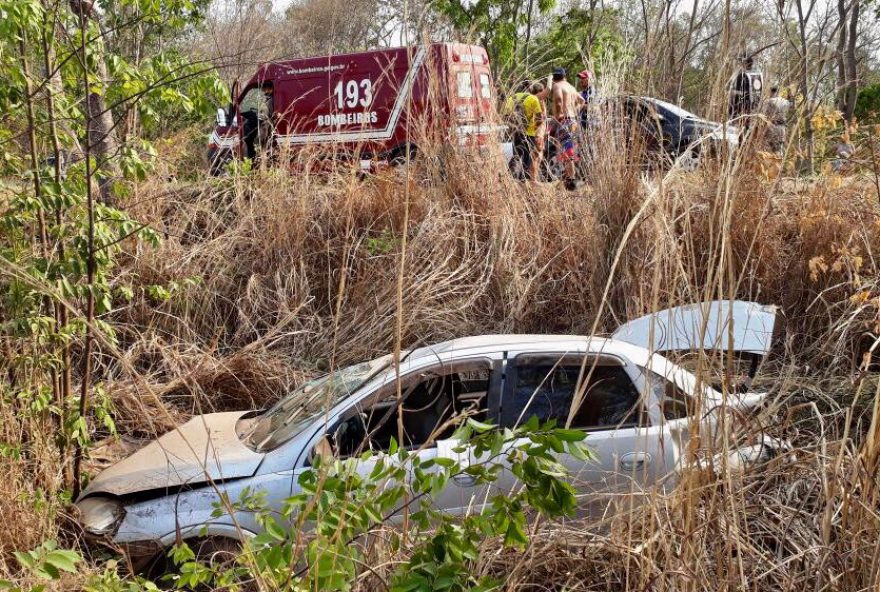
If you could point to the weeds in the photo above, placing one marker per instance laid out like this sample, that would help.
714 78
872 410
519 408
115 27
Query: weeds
263 278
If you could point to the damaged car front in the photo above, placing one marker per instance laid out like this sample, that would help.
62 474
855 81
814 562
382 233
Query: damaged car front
169 490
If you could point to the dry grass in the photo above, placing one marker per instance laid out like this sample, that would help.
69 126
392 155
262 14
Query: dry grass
280 275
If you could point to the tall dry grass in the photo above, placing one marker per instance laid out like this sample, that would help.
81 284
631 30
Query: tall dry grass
282 274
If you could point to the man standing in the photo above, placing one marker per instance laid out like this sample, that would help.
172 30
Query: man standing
267 118
776 110
745 88
585 82
527 118
567 103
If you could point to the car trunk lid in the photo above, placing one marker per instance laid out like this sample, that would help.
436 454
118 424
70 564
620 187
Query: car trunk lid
721 325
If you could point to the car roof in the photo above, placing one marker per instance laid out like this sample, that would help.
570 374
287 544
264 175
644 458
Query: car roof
502 342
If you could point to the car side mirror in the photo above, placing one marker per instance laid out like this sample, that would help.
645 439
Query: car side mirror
221 116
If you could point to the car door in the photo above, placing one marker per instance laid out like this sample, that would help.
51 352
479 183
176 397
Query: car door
613 410
431 397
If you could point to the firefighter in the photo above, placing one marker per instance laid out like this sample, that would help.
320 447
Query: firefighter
745 88
567 104
267 117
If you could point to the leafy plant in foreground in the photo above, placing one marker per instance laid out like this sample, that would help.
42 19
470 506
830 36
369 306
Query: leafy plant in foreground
321 538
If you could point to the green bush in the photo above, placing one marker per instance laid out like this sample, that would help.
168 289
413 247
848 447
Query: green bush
868 104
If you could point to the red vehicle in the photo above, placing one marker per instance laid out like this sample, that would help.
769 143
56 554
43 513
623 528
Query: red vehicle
372 105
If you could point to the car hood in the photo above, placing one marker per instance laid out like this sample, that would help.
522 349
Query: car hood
726 132
204 449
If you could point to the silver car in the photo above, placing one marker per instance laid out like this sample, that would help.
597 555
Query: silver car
638 411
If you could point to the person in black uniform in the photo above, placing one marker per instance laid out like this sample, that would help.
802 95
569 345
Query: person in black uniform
745 89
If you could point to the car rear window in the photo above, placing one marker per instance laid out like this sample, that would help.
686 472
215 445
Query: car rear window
674 402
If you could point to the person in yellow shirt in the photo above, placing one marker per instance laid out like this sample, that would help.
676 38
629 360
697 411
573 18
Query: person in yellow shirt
526 116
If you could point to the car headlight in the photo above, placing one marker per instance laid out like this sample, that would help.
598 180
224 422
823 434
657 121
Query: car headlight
101 516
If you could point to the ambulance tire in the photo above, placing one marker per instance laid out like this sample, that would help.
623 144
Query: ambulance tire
399 154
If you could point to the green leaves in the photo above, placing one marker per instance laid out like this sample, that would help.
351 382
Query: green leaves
48 561
316 539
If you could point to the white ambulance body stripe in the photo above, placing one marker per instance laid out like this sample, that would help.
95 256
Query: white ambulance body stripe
366 134
479 128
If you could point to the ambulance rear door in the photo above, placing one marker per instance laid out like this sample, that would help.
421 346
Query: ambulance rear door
472 93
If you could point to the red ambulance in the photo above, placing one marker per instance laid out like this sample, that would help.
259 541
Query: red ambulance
372 106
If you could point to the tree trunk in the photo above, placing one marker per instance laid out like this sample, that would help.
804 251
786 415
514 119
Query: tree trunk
842 14
100 127
851 64
804 83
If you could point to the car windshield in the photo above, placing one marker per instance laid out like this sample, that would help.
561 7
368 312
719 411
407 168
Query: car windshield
296 411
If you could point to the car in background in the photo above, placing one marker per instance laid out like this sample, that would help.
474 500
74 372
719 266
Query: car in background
656 133
664 133
639 410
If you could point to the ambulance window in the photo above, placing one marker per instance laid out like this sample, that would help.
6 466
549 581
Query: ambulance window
253 101
485 88
465 85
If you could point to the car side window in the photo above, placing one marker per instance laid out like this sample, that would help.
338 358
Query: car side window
545 386
674 402
432 403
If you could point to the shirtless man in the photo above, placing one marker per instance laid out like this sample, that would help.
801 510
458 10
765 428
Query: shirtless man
567 103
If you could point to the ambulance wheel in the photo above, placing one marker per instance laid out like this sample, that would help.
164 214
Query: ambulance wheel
398 157
217 162
403 168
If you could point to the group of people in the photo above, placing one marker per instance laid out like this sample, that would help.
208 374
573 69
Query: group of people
527 110
569 115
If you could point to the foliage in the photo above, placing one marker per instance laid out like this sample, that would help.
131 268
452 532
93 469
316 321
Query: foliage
563 44
46 562
868 103
61 230
496 24
341 502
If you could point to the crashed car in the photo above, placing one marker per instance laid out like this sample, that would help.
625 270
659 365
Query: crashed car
657 133
638 411
666 132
